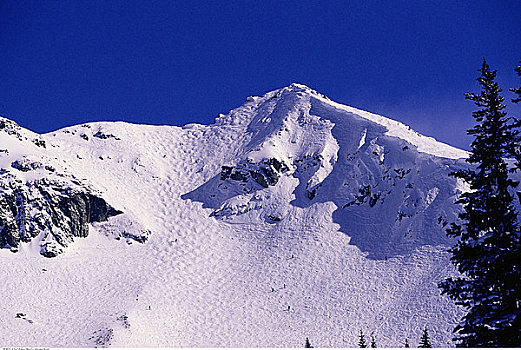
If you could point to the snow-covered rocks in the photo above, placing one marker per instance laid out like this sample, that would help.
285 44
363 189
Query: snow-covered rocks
51 212
265 173
122 227
40 206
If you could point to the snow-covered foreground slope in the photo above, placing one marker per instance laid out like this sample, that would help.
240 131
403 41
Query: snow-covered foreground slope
290 217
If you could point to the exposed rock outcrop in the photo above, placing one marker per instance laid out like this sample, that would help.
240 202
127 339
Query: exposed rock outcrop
54 212
265 173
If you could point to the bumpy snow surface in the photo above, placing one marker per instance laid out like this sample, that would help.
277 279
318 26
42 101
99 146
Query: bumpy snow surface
290 217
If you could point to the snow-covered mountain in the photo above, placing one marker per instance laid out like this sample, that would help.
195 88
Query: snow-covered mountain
290 217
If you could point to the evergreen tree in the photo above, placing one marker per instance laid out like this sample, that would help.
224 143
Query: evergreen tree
425 342
406 343
362 343
518 90
307 344
373 342
516 144
516 290
487 250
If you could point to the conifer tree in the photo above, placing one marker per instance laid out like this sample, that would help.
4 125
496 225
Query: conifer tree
307 344
516 290
362 343
518 90
516 144
425 342
487 250
373 342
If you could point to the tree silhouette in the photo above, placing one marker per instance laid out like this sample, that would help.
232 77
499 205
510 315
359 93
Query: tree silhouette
425 342
487 251
307 344
362 343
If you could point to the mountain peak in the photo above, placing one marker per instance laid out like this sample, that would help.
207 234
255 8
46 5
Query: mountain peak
275 108
295 88
255 224
298 87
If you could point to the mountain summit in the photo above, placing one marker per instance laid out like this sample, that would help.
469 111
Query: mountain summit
389 184
292 216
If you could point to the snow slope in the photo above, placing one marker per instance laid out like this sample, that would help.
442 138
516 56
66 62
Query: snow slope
290 217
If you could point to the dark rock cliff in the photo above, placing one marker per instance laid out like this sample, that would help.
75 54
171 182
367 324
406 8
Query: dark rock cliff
52 211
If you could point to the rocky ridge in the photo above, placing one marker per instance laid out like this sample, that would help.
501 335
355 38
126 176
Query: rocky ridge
43 205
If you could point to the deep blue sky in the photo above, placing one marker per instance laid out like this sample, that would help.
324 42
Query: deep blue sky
175 62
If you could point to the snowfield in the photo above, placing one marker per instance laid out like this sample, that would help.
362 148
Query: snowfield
292 216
